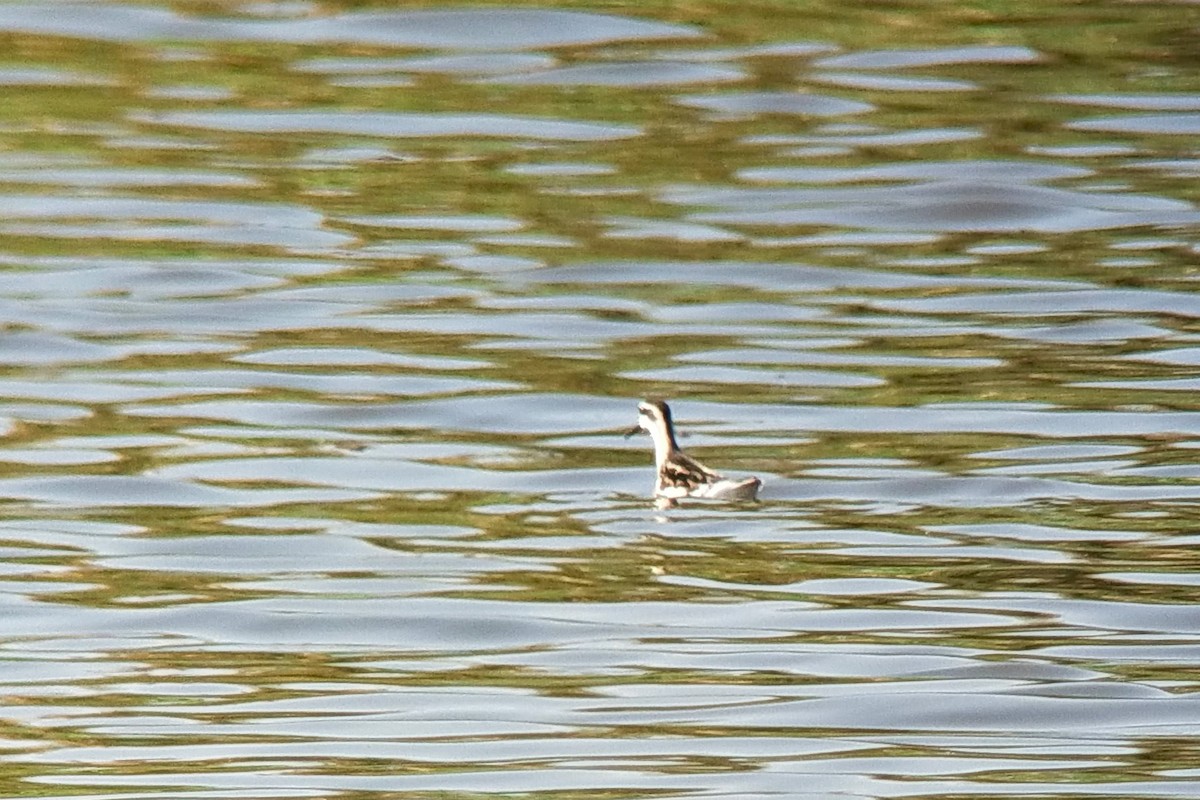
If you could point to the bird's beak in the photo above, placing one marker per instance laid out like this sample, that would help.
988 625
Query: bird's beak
633 430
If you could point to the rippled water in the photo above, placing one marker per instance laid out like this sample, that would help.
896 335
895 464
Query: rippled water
321 323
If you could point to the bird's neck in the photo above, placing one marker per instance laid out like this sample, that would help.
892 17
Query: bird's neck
664 443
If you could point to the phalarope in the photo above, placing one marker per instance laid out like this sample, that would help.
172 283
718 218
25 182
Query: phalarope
680 475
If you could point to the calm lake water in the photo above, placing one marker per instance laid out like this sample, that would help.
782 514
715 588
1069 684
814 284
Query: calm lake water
321 323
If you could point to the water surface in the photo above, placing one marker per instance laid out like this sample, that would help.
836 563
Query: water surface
321 324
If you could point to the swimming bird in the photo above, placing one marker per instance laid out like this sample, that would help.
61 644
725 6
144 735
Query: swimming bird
678 474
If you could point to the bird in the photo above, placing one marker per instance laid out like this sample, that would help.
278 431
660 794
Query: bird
678 474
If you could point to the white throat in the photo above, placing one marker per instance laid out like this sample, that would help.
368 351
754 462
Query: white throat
663 445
